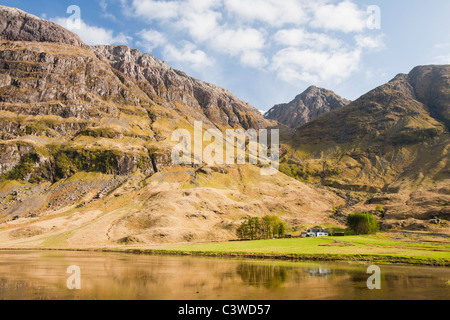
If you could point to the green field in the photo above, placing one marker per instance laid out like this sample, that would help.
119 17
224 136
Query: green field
408 248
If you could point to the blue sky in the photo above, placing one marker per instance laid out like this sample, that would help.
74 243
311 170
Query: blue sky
268 51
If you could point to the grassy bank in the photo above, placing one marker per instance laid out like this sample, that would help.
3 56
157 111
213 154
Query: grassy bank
388 248
399 248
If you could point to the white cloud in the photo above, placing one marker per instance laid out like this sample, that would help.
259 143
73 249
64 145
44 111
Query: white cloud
302 38
201 27
188 55
151 9
92 35
442 59
273 12
370 42
442 53
103 5
200 18
307 36
151 39
442 46
243 43
105 14
254 59
236 41
294 64
345 17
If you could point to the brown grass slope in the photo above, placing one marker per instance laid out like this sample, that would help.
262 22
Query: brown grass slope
175 205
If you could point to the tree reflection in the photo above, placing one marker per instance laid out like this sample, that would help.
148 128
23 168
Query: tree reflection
270 277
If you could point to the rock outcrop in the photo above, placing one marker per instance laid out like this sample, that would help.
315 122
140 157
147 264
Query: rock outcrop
306 107
17 25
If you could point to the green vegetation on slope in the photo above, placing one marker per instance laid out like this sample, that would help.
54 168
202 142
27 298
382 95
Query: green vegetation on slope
384 247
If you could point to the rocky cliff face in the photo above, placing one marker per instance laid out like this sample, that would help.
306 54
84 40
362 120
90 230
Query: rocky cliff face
431 85
17 25
110 109
55 98
166 86
306 107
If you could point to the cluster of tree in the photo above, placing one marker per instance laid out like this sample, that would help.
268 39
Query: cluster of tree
257 229
363 223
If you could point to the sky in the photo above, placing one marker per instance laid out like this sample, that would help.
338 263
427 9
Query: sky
267 52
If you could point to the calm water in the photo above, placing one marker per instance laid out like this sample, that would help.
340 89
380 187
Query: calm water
43 275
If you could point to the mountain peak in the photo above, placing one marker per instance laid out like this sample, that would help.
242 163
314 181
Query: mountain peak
307 106
18 25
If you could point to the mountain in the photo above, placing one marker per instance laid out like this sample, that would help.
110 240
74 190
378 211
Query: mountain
410 108
393 140
306 107
57 93
85 148
166 86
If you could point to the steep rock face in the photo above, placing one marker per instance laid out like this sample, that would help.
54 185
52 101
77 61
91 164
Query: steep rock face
167 86
10 156
431 85
69 78
5 80
306 107
57 99
17 25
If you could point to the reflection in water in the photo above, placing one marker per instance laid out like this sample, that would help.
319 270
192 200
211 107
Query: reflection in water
268 276
42 275
318 272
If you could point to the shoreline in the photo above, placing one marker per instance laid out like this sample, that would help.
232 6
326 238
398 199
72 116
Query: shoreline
395 260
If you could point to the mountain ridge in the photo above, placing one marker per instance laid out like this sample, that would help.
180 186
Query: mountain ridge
305 107
217 104
387 141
